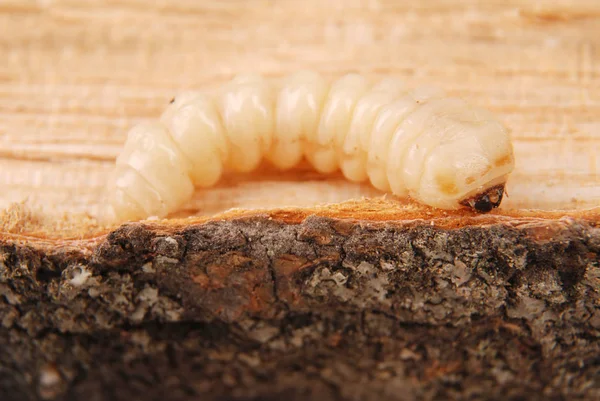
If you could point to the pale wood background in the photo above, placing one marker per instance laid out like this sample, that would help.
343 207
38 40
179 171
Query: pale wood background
76 74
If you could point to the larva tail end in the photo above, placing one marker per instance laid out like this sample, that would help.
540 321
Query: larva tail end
485 201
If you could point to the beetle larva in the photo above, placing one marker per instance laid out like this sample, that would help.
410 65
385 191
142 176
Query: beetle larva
418 143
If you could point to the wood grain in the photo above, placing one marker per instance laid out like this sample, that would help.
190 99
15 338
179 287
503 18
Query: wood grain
75 75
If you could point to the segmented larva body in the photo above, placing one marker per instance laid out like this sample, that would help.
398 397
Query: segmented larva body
419 143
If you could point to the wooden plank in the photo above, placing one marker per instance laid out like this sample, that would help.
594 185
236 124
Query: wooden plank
76 75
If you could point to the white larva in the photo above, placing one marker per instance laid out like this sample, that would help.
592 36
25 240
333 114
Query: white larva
437 150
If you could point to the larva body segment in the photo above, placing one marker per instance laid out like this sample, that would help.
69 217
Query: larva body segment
246 106
449 123
353 156
385 129
413 136
133 197
386 91
322 147
159 167
196 128
439 151
298 111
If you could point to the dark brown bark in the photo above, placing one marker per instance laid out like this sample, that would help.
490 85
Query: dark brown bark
259 309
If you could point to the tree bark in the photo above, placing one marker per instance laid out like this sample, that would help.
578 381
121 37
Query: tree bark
259 308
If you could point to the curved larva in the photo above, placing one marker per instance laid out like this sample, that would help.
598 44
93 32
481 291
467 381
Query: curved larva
439 151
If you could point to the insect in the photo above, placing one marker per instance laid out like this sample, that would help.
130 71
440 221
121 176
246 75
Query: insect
419 143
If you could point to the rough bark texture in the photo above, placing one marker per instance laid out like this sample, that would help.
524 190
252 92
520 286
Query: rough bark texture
258 309
76 75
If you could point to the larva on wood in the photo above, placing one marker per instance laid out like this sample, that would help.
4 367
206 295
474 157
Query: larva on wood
437 150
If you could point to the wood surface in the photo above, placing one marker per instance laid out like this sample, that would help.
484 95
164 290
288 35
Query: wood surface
76 75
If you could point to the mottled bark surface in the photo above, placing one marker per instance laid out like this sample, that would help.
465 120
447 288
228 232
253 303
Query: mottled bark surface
257 309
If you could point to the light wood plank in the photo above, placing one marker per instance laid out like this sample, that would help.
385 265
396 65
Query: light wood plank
77 74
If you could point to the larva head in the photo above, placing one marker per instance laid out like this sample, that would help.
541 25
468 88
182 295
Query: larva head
468 170
485 201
